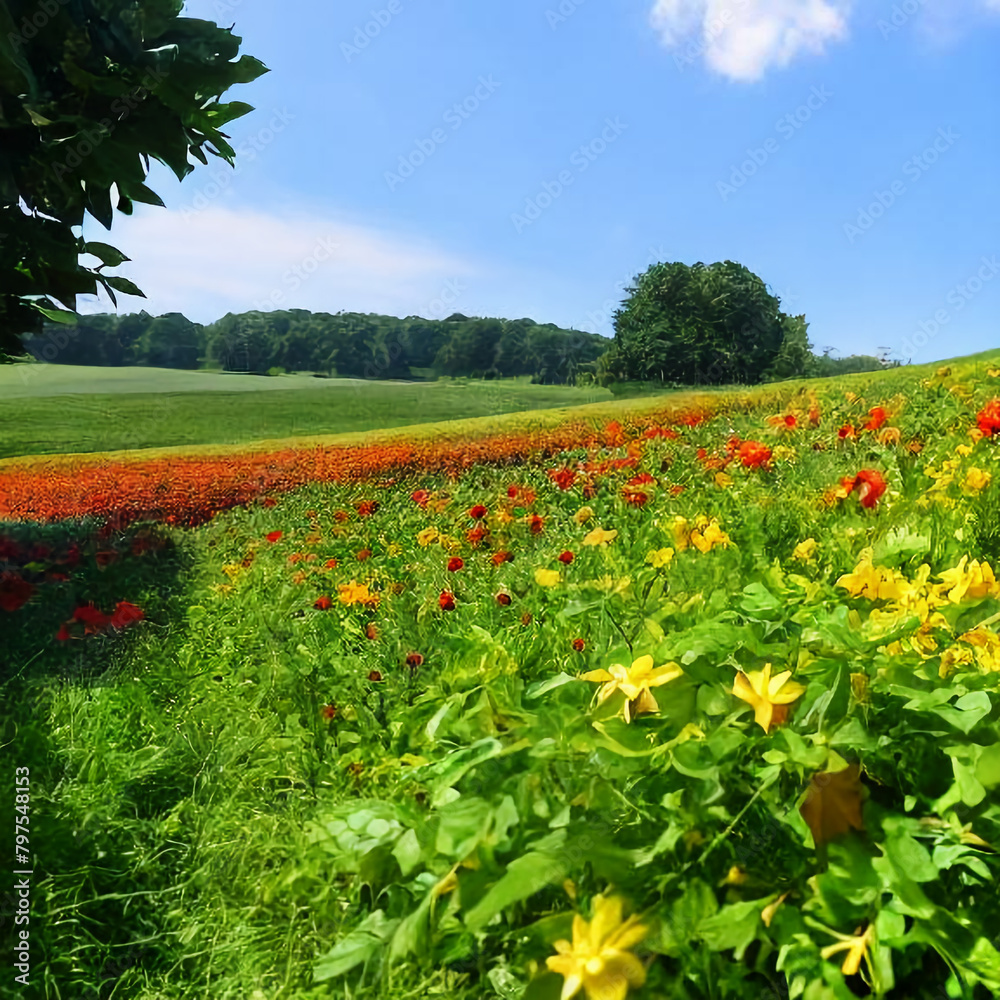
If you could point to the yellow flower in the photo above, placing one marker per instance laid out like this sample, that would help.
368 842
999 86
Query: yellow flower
707 537
503 516
547 577
856 947
682 533
784 453
804 550
356 593
769 696
993 372
222 588
767 914
875 583
722 480
972 584
427 536
232 570
660 557
634 682
976 480
976 434
583 515
952 659
963 450
392 549
600 537
599 960
987 647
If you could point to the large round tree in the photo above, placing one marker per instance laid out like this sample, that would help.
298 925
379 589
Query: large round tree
696 325
90 90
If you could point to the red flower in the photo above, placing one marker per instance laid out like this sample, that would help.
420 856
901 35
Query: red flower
477 534
15 591
340 516
512 492
537 524
274 536
643 479
477 512
367 507
374 676
847 431
455 563
502 556
503 599
420 497
814 415
363 554
269 502
753 454
323 603
563 478
878 418
447 600
790 420
328 712
989 418
414 660
64 633
527 497
660 432
566 557
125 614
93 619
331 564
579 645
676 490
614 437
295 557
870 486
635 498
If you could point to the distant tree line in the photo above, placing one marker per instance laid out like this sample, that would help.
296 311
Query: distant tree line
358 345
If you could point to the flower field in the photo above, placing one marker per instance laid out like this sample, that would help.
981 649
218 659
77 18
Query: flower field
695 699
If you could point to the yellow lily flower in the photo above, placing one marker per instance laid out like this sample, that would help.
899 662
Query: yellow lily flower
856 947
635 683
660 557
874 582
804 551
704 538
976 480
769 696
547 577
599 536
987 647
598 959
972 584
583 515
682 533
427 536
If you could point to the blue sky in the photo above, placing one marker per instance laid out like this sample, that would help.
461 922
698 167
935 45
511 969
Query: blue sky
529 157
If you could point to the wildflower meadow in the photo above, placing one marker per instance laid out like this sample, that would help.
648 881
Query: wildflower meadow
689 696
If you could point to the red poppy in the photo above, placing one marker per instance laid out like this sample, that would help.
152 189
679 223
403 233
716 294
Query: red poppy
477 512
414 660
660 432
367 507
64 633
878 418
563 478
614 437
753 454
269 502
579 645
15 591
446 601
527 496
677 490
331 564
847 431
477 534
328 712
363 554
870 486
537 524
274 536
323 603
455 563
93 619
691 420
125 614
814 415
988 418
420 497
295 557
502 556
634 498
643 479
566 557
503 599
512 492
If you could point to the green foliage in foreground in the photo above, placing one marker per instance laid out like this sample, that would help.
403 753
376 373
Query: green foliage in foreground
202 830
90 422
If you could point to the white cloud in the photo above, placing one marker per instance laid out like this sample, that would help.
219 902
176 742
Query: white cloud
743 39
223 259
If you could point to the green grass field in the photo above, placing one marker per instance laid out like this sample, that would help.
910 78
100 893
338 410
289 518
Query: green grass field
55 409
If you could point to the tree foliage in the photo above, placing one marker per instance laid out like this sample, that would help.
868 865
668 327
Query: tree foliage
357 345
89 92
